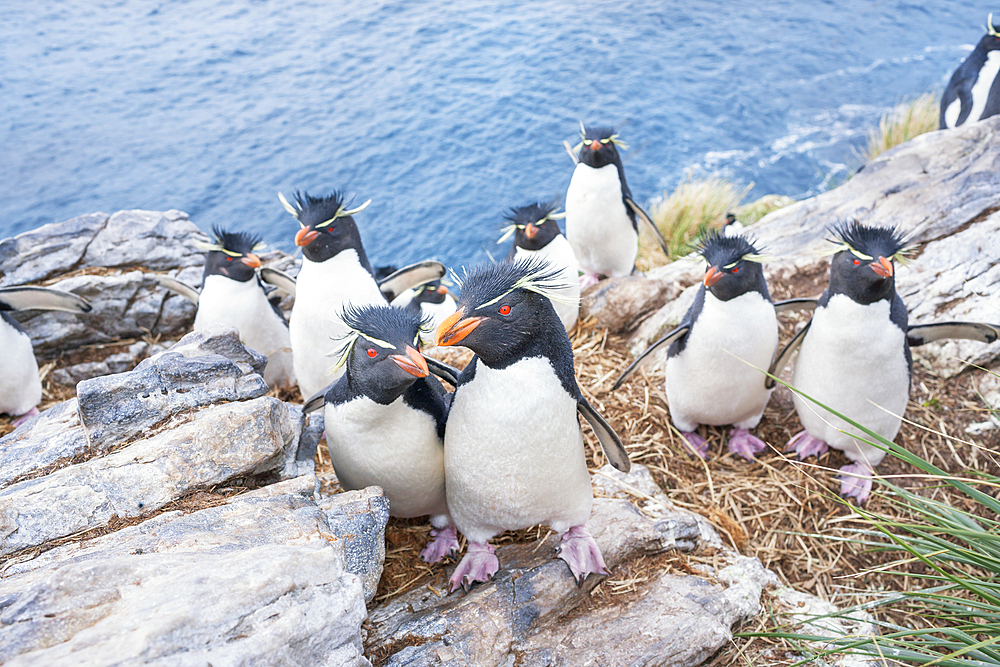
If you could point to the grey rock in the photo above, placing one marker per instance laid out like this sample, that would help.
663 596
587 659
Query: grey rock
299 456
50 250
155 240
357 520
223 442
116 363
56 435
203 368
620 303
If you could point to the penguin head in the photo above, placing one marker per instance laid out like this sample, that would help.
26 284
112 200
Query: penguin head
432 292
503 308
232 255
326 224
381 351
599 146
734 266
863 266
533 226
991 40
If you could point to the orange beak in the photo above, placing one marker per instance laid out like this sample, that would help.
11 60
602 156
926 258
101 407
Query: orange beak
442 289
712 276
455 329
413 363
595 145
530 231
883 267
253 261
305 236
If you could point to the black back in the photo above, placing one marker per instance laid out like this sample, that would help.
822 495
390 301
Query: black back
964 78
605 154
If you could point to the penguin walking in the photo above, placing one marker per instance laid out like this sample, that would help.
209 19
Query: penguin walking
335 272
432 300
20 386
514 453
600 213
729 332
537 234
385 419
973 93
233 294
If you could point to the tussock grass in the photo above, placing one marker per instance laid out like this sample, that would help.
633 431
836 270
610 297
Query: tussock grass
909 119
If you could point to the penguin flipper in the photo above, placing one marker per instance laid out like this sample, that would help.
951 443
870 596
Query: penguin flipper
410 276
279 279
653 229
783 358
41 298
920 334
795 304
443 370
317 401
666 340
179 287
571 152
610 442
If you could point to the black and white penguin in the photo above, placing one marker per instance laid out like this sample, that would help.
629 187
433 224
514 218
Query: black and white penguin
233 294
853 355
600 212
335 272
973 93
385 418
432 300
729 332
537 234
20 386
514 454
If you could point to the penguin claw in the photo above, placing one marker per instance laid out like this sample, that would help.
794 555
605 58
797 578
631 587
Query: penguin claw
588 279
25 417
744 444
444 541
479 564
805 445
582 554
695 443
856 482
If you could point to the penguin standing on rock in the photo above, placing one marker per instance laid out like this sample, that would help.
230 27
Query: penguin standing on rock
385 419
335 272
973 93
729 332
537 234
233 294
600 213
20 386
514 453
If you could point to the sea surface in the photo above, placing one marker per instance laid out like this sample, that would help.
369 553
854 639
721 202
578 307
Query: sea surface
444 113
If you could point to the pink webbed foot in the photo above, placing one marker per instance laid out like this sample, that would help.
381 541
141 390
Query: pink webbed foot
744 444
25 417
444 541
479 564
588 279
856 482
695 443
805 445
581 553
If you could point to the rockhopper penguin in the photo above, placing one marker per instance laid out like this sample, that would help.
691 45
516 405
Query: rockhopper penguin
514 454
729 333
537 234
432 300
973 93
20 386
385 418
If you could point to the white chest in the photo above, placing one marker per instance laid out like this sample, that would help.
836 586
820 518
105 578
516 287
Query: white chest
559 255
392 446
20 386
322 291
514 452
715 379
980 92
597 225
852 361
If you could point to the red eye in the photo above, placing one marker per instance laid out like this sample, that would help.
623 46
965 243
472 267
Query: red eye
856 262
505 310
229 259
372 352
736 269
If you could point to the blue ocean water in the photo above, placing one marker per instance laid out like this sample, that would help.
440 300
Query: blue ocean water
444 114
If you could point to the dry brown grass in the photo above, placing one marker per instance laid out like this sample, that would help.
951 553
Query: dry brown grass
907 120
